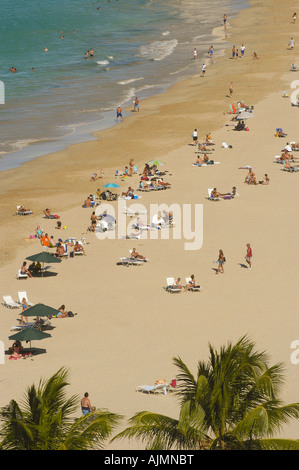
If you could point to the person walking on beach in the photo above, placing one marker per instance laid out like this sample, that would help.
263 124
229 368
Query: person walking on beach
294 17
221 261
86 405
248 255
230 89
292 43
233 52
242 50
136 104
194 53
203 70
119 113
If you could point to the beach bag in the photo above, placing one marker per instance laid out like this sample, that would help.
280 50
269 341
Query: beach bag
70 314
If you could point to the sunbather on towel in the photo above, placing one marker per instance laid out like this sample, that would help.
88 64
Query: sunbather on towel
280 133
136 255
289 167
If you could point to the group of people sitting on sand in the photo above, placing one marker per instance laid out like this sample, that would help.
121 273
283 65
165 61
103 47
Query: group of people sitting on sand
216 195
153 184
95 176
203 161
251 178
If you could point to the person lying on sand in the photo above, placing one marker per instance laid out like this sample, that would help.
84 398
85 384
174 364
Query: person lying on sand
280 133
290 167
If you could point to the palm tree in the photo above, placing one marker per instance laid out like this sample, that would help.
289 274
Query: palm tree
232 403
45 422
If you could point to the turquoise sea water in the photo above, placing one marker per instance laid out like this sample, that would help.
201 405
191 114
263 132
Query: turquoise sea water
140 48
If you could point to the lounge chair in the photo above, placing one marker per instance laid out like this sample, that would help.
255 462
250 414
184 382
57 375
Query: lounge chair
160 388
9 302
293 169
23 212
194 288
21 275
130 262
132 213
22 327
142 260
170 285
23 295
210 198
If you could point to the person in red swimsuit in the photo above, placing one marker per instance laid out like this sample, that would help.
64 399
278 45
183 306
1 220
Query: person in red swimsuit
248 255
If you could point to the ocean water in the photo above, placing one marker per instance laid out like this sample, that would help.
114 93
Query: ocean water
58 97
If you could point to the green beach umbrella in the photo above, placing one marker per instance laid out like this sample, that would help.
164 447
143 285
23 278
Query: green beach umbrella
39 310
29 334
44 257
155 162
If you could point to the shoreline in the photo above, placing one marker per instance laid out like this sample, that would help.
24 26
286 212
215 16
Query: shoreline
133 328
93 130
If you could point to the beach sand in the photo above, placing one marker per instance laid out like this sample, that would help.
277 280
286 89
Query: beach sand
128 328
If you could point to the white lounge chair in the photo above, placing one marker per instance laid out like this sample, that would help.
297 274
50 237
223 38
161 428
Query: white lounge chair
21 275
210 197
132 213
194 288
20 212
170 285
160 388
9 302
130 262
23 295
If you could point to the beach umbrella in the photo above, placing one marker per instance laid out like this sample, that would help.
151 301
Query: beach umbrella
29 334
39 310
244 115
109 218
155 162
44 257
111 185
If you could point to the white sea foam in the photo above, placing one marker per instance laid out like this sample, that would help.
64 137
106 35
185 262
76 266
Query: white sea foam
158 50
103 62
166 33
130 80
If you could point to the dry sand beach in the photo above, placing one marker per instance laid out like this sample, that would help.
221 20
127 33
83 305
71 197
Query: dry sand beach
128 328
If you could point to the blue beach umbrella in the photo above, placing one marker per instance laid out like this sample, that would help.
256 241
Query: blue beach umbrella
111 185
